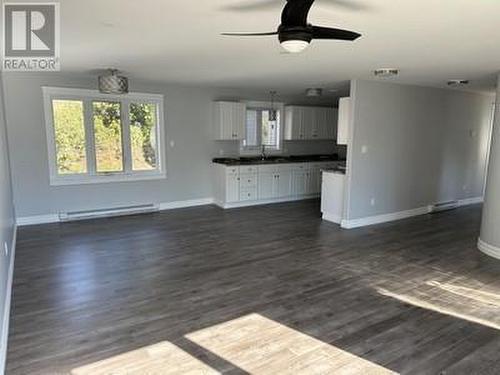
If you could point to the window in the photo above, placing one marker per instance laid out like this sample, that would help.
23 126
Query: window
261 130
94 137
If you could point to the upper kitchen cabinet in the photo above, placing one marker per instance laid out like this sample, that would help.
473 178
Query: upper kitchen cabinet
309 123
229 121
344 123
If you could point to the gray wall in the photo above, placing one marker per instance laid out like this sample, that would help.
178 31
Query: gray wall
187 121
6 224
424 145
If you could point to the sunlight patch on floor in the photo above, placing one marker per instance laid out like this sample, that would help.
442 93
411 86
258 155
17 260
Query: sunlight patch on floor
262 346
477 295
160 359
442 309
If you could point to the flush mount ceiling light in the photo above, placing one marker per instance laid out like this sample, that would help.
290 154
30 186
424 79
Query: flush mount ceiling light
112 83
458 82
314 92
386 72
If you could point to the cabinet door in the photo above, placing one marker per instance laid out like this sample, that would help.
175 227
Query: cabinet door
297 123
238 121
331 123
344 121
299 182
309 126
314 180
284 184
232 188
266 185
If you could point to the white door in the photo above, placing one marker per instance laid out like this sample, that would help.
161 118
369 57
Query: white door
299 182
284 184
238 120
266 185
232 188
344 121
297 123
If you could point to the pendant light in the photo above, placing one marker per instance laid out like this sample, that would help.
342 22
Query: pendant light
112 83
273 114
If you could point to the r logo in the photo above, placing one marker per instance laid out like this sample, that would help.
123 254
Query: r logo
31 36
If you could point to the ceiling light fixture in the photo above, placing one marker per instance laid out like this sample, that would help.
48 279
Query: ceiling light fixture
386 72
314 92
294 46
458 82
112 83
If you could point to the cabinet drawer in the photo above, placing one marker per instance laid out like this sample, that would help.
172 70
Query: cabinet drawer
248 169
248 194
269 168
248 180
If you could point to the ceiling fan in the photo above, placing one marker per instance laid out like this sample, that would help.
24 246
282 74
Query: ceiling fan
295 33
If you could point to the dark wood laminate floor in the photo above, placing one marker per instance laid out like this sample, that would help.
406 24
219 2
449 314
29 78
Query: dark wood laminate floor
414 296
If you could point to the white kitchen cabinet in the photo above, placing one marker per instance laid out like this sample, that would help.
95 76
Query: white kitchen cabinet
344 121
332 196
237 186
309 123
229 121
232 188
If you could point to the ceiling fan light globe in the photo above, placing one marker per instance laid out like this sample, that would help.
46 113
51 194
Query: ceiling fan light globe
294 46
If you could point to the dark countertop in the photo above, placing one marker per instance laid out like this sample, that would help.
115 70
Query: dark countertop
278 159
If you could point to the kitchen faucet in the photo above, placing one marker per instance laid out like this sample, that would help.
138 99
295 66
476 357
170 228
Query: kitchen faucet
263 152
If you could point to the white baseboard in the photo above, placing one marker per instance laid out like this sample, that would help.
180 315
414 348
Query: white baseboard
185 204
379 219
54 218
469 201
6 312
486 248
263 201
37 219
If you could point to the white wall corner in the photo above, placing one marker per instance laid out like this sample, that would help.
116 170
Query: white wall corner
8 295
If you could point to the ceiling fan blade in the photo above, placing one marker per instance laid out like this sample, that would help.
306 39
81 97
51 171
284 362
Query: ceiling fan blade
250 34
337 34
295 13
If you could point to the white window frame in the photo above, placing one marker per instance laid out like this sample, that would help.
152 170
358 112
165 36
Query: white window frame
256 150
92 176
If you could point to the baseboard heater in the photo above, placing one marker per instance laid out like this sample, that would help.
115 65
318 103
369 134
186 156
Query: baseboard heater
444 206
108 212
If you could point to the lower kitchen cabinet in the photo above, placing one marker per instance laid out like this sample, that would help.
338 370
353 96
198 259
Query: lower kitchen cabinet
237 186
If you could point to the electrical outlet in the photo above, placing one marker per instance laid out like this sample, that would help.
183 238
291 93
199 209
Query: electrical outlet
172 144
364 149
372 201
464 188
221 152
6 248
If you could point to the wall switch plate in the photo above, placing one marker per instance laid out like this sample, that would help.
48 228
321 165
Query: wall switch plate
364 149
372 201
172 144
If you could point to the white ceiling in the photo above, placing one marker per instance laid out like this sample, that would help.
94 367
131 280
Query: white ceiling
430 41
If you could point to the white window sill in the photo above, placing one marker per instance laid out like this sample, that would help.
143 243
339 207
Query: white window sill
105 179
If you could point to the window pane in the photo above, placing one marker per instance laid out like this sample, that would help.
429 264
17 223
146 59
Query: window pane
143 137
251 128
270 129
108 136
69 130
